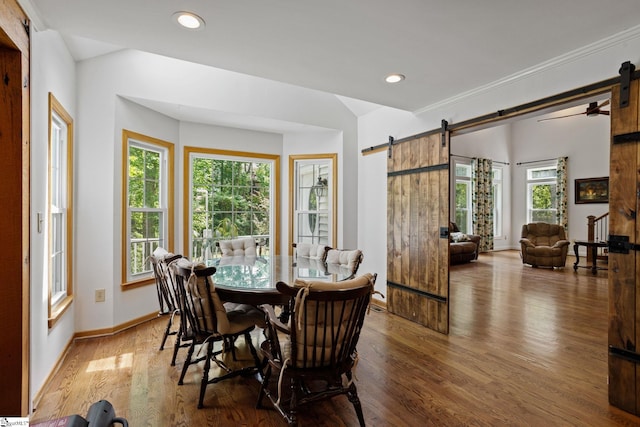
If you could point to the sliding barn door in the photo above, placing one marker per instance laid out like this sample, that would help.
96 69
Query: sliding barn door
417 231
624 258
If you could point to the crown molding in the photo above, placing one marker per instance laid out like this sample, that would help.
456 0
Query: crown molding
558 61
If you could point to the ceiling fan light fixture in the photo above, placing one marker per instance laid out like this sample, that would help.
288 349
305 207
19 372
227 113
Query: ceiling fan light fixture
189 20
394 78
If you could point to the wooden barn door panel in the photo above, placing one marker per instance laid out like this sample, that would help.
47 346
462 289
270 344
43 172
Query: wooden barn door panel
624 268
417 209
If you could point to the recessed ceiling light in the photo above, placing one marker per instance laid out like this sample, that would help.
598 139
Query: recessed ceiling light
394 78
189 20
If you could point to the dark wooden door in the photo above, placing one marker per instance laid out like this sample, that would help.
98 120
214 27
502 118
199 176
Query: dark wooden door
624 294
417 215
14 221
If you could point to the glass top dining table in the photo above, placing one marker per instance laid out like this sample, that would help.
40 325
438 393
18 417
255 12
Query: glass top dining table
252 279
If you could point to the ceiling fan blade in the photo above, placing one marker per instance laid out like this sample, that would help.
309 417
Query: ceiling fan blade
604 103
606 113
561 117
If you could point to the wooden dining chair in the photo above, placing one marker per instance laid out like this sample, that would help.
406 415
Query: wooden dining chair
167 300
206 321
314 354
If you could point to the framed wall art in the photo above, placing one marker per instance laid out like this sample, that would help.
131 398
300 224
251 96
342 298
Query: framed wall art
592 190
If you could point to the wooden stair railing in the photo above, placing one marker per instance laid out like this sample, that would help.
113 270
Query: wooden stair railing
598 230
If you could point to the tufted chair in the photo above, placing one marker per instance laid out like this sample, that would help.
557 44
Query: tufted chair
544 245
343 261
242 246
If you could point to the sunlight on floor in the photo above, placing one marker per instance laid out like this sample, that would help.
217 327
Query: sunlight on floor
111 363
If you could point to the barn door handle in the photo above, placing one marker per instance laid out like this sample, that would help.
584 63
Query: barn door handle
621 244
444 232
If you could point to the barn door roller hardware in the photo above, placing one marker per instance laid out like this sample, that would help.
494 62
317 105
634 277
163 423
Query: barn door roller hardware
444 128
626 75
390 144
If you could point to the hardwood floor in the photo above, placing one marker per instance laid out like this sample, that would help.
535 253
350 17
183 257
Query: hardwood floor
528 347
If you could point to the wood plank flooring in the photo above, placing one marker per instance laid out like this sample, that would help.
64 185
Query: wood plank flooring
527 347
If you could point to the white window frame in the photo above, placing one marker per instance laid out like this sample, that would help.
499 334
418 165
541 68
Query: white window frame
466 180
531 182
165 210
323 167
190 153
498 200
60 210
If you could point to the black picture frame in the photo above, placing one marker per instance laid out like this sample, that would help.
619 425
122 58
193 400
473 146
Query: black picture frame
592 190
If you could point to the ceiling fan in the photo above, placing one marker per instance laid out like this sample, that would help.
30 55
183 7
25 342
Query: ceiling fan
592 110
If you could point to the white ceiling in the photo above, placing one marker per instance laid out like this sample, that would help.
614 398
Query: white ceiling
444 47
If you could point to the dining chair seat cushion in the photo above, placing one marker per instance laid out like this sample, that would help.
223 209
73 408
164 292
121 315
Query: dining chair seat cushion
234 247
350 259
310 250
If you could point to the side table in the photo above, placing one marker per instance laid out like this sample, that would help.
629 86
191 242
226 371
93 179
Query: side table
591 245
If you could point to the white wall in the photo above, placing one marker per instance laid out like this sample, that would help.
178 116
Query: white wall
52 70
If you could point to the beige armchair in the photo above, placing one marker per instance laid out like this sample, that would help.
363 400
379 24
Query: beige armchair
544 245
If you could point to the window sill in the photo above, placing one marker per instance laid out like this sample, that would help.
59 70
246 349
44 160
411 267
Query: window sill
58 310
127 286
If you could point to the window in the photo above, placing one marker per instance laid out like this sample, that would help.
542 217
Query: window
313 182
60 210
497 202
541 194
148 210
229 195
463 193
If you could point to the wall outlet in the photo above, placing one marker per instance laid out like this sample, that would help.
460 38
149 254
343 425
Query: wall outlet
99 295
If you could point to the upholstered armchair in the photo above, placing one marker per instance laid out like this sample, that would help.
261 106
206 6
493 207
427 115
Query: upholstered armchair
544 245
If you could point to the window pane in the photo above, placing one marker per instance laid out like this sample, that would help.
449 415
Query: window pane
542 173
313 204
152 165
237 195
152 194
543 196
463 170
461 195
462 218
145 238
463 205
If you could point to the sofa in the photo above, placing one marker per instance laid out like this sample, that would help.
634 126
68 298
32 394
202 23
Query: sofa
462 247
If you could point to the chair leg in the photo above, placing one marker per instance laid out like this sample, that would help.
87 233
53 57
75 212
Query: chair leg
187 362
176 346
292 416
263 386
167 332
252 349
352 395
205 374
